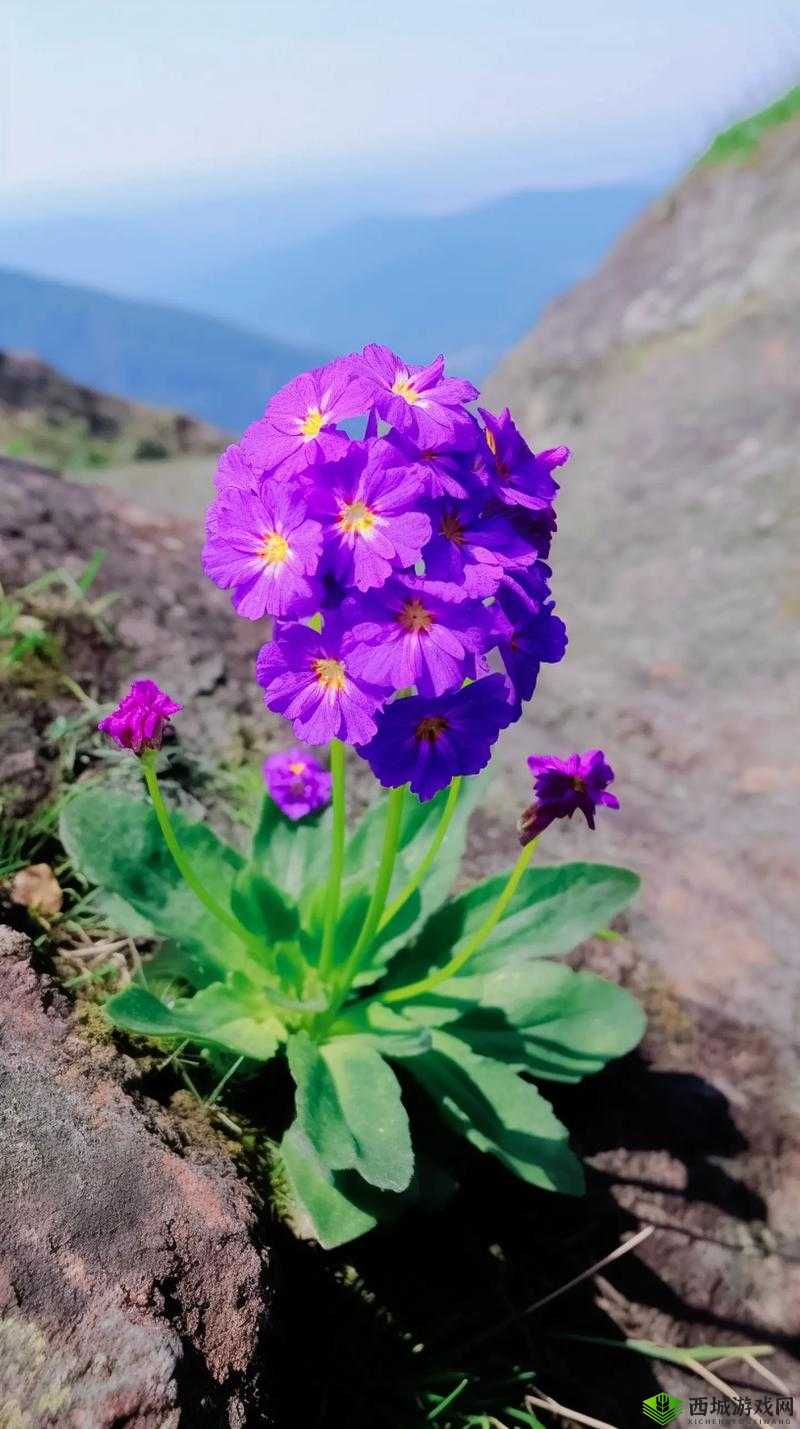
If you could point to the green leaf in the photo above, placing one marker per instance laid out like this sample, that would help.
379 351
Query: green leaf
292 853
322 1203
500 1113
232 1015
547 1019
261 907
334 1207
552 911
318 1110
353 904
349 1106
392 1033
116 843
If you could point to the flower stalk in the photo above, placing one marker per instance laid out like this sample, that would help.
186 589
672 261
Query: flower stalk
427 860
148 762
337 856
377 903
473 944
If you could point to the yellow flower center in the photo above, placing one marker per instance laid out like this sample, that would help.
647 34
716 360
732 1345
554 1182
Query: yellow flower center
313 424
431 728
356 516
490 442
414 617
403 387
330 673
274 549
452 529
298 767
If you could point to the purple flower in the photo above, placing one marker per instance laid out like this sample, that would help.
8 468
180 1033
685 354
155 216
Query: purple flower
528 634
472 549
519 478
561 786
299 425
416 632
139 721
420 402
427 742
234 470
262 547
297 782
438 469
370 525
309 678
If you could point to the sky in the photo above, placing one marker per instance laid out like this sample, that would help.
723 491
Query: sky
435 103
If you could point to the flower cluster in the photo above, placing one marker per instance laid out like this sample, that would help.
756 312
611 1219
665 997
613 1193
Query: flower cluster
418 551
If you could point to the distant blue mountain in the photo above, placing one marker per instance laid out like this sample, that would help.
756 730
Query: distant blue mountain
469 284
161 355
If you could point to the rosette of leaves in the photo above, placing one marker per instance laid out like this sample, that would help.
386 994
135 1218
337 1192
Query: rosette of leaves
481 1044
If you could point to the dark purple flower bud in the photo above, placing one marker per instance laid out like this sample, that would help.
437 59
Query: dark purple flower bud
139 721
561 786
297 782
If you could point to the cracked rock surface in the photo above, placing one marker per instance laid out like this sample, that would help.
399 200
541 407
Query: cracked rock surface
132 1285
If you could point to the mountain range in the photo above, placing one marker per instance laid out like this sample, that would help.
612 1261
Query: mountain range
467 283
155 354
230 322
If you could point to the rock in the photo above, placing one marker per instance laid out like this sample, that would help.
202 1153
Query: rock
132 1281
66 422
674 375
38 888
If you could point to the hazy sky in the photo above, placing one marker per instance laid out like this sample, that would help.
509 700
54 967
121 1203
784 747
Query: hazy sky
130 93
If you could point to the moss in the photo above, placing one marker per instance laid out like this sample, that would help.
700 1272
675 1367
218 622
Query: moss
741 141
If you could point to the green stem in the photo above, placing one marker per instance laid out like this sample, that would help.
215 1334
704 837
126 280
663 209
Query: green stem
473 944
425 862
182 863
337 857
377 903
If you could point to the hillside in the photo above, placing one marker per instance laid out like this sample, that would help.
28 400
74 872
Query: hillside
466 283
160 355
46 417
674 373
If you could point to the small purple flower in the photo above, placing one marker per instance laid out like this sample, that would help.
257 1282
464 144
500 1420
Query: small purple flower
297 782
299 425
420 402
418 632
519 478
561 786
472 549
139 721
427 742
370 524
261 545
309 678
